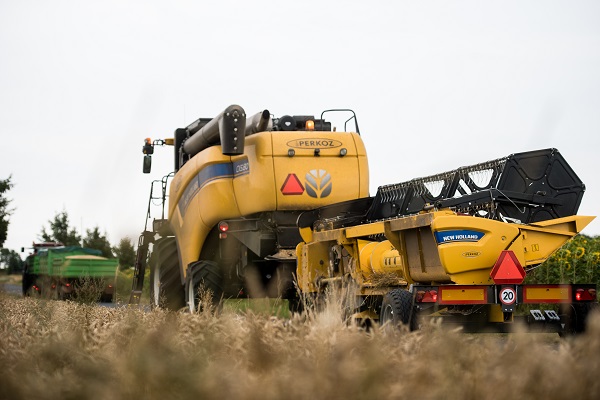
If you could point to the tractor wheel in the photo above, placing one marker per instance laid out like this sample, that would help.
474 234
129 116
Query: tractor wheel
398 309
166 290
204 281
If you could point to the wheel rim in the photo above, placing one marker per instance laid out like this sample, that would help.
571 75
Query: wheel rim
388 313
156 285
192 300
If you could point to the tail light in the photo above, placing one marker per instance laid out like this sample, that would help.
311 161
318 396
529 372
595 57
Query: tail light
588 294
223 228
427 296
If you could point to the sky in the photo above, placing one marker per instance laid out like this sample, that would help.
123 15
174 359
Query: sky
436 85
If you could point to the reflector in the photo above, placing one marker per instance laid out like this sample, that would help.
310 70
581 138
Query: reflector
292 185
507 269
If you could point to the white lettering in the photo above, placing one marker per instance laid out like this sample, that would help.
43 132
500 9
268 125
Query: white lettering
242 168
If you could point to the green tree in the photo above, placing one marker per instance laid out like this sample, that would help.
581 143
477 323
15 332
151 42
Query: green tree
125 253
95 240
12 261
5 212
60 231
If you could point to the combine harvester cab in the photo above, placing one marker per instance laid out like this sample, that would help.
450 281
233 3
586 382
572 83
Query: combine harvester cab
239 185
454 246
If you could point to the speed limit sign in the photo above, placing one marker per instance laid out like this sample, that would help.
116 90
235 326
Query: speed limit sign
508 296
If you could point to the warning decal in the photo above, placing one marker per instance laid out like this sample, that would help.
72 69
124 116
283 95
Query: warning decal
292 186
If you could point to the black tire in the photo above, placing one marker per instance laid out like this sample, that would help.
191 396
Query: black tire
295 304
576 317
398 309
27 282
166 290
106 298
306 302
204 278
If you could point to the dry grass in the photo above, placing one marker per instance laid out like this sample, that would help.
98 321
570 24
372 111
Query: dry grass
66 350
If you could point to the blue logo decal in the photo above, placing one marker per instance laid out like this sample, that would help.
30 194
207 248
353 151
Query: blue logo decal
458 236
210 173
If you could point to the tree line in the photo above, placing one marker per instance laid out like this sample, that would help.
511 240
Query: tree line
578 261
59 230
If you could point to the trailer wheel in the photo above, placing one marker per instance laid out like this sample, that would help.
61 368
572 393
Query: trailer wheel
27 282
166 290
204 281
398 309
107 298
576 318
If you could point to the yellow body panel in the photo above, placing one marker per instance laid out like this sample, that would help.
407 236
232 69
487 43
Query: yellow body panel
211 187
249 187
441 246
312 263
544 294
347 175
464 294
468 257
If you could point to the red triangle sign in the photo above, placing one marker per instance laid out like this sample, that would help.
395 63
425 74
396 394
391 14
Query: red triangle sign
507 269
292 185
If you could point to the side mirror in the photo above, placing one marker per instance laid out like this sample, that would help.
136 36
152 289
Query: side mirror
147 163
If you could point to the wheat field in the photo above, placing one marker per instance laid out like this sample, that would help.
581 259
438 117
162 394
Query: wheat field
67 350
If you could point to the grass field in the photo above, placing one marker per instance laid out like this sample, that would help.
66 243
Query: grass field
65 350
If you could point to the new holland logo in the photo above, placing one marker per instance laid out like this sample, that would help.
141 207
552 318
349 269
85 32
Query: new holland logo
318 183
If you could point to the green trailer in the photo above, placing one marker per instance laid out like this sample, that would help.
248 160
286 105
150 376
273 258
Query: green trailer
56 271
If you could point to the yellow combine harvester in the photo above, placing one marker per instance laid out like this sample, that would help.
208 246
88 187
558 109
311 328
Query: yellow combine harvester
255 201
238 188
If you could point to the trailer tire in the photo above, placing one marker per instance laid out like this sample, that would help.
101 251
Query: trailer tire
27 282
398 309
204 279
166 290
577 315
107 298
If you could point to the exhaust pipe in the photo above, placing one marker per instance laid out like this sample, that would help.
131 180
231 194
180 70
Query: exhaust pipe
259 122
